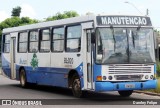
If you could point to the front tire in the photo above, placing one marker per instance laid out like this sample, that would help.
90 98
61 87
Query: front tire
23 78
76 86
125 93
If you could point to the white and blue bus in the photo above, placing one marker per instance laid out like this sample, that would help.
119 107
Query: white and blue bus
87 53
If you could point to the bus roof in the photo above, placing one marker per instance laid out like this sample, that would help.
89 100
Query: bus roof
100 19
72 20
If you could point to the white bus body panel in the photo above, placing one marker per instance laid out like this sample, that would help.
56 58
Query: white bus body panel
13 53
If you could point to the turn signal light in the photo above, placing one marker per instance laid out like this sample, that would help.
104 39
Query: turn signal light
99 78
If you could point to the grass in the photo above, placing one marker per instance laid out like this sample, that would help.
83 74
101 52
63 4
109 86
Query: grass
158 68
158 87
157 90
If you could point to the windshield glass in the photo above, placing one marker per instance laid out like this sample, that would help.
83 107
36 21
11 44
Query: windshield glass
125 45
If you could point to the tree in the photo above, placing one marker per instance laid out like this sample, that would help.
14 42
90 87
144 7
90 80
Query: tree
16 11
27 20
9 22
65 14
16 21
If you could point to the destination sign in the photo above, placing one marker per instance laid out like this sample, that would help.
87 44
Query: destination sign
124 20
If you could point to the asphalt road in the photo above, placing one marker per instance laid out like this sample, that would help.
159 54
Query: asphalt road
10 89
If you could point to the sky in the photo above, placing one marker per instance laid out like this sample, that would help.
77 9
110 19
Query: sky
41 9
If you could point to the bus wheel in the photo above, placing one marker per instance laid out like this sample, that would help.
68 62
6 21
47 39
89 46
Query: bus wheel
23 80
76 86
125 93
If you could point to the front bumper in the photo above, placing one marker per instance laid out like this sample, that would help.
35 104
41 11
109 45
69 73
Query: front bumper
118 86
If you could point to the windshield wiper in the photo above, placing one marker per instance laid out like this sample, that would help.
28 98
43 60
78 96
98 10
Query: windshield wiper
133 38
111 27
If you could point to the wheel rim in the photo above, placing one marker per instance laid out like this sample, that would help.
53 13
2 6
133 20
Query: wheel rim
22 78
77 88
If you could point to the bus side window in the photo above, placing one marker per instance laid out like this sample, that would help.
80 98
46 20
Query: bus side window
45 40
58 39
6 43
22 42
73 38
33 41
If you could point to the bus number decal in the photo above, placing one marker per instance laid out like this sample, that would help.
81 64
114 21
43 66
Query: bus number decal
68 60
81 68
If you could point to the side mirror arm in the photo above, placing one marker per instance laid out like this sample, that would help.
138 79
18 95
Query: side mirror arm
93 38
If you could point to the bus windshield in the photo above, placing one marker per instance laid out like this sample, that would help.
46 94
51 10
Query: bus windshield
124 45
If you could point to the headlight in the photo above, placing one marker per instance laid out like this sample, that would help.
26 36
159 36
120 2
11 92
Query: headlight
110 78
146 77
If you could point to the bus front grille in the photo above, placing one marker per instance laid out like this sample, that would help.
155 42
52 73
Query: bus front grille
130 69
128 77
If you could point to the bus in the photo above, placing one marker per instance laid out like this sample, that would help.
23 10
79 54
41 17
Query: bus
87 53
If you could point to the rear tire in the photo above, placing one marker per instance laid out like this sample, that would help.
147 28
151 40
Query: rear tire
125 93
76 86
23 78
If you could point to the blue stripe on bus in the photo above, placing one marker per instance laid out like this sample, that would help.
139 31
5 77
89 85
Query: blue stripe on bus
44 75
6 67
52 69
49 76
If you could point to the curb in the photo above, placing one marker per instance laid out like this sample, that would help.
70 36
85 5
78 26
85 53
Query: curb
148 93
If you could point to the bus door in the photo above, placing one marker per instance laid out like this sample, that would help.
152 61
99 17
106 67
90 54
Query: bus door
87 57
13 55
89 60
